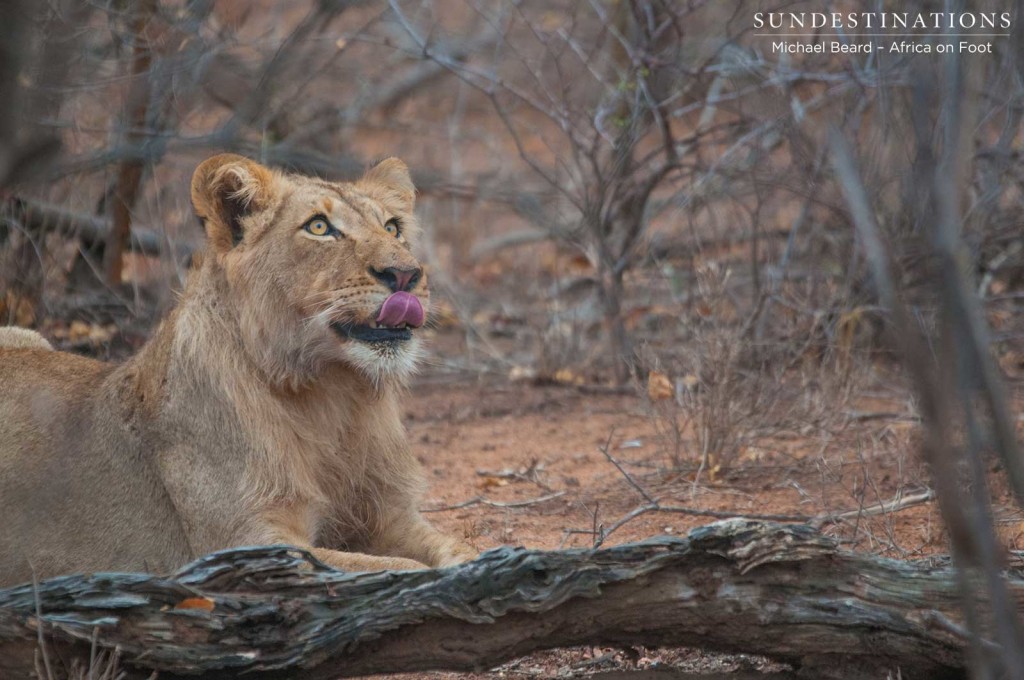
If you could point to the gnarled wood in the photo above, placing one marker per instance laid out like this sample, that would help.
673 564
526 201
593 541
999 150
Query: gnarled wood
784 591
41 217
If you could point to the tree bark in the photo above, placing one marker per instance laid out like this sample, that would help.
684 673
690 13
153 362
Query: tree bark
39 218
611 293
129 175
783 591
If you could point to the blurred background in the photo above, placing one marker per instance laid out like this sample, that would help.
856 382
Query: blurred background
607 186
649 282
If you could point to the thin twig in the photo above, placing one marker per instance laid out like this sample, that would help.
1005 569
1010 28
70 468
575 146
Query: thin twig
92 653
629 477
480 500
40 638
695 512
883 508
861 416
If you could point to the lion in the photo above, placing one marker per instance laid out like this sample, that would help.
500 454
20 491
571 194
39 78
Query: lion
12 337
265 409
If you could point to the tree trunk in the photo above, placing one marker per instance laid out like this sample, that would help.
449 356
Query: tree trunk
619 345
129 174
784 591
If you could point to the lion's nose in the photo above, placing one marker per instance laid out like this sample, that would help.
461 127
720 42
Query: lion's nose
398 279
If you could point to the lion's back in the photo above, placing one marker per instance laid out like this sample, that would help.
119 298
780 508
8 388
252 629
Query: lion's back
45 401
34 378
13 337
58 481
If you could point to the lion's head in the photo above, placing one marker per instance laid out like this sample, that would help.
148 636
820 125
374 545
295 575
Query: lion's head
316 273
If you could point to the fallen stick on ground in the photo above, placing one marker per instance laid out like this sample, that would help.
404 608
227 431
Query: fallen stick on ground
480 500
884 508
658 507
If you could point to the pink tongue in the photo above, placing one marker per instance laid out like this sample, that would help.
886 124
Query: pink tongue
399 309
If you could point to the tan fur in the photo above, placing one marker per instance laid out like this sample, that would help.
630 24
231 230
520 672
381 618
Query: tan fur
245 419
12 337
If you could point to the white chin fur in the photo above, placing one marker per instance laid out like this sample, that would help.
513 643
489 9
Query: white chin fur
381 363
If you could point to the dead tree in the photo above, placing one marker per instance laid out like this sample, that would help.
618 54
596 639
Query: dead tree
129 175
784 591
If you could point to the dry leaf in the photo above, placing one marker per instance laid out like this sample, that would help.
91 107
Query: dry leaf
846 329
1011 363
203 603
567 377
521 373
752 454
713 471
645 314
659 387
98 334
1000 318
78 331
580 264
17 310
489 482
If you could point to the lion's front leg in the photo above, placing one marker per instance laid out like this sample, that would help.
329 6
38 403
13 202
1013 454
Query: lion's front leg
355 561
287 524
408 535
350 561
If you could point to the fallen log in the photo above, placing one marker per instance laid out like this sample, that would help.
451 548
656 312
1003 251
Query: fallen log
39 217
783 591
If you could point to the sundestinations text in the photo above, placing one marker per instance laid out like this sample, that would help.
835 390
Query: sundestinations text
884 20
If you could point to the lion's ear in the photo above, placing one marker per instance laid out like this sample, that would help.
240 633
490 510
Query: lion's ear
225 189
391 175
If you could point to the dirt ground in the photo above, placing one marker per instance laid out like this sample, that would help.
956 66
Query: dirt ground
516 463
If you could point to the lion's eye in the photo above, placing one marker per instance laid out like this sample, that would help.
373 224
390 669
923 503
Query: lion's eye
393 227
319 226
